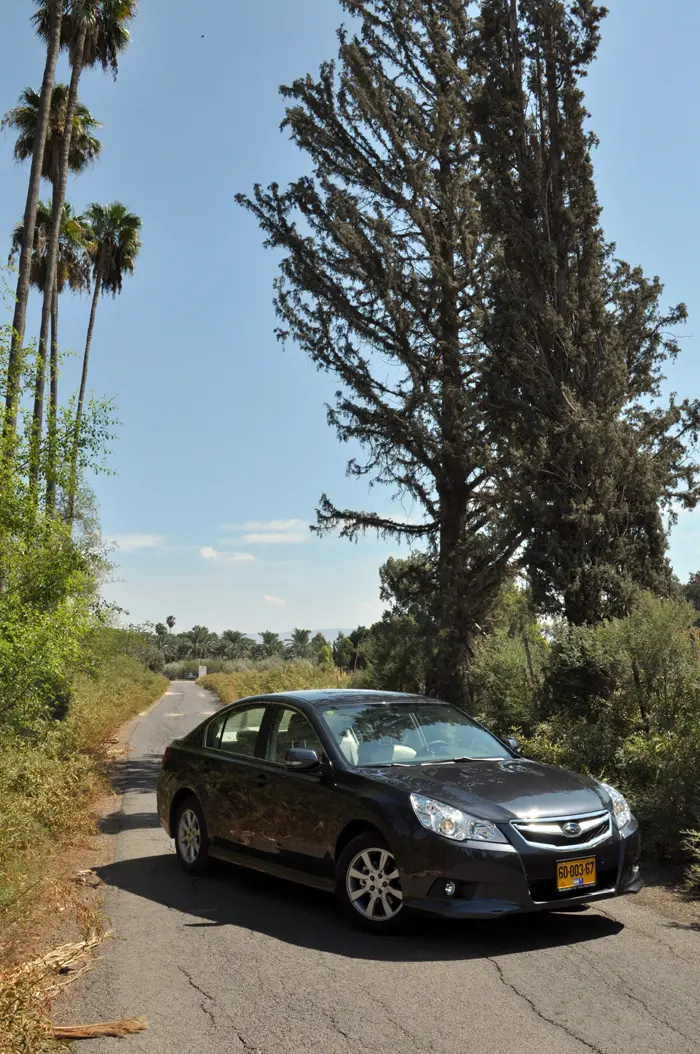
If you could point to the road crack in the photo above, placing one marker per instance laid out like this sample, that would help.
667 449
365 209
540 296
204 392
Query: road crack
204 1007
623 989
540 1013
648 936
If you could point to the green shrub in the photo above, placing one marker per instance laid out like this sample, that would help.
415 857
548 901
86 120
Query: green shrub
504 677
691 845
621 701
49 772
287 677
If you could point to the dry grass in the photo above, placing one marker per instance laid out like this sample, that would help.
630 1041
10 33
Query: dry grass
46 779
26 993
47 784
289 677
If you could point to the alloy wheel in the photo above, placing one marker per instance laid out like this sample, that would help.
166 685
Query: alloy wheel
189 836
373 886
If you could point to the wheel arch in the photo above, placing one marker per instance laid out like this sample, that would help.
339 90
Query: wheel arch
352 830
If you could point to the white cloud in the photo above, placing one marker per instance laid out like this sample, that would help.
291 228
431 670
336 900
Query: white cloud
275 602
272 525
209 553
276 538
131 543
268 532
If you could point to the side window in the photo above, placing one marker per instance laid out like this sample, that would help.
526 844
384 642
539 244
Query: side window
241 731
213 733
291 729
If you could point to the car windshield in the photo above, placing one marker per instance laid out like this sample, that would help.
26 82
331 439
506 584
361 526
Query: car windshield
409 734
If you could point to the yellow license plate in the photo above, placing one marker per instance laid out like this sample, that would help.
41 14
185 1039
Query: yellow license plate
576 874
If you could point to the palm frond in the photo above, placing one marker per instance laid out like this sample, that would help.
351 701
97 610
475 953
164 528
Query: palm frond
115 243
85 147
107 29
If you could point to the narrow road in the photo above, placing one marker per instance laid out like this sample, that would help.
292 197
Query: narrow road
237 961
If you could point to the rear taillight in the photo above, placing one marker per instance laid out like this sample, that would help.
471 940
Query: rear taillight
167 753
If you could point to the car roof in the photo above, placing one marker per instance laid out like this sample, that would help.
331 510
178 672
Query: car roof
321 697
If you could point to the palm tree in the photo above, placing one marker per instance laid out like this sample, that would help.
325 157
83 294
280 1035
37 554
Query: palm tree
25 117
271 644
115 244
170 622
95 33
52 11
299 644
198 642
84 150
74 272
235 645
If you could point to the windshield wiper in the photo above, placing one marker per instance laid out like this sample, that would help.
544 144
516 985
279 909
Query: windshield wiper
456 761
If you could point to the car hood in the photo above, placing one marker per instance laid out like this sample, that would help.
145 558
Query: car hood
499 790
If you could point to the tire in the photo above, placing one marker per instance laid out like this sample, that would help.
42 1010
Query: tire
191 838
368 886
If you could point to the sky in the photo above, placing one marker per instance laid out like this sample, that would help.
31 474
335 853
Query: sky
223 448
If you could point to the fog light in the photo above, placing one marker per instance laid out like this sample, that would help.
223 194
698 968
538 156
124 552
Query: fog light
450 889
635 869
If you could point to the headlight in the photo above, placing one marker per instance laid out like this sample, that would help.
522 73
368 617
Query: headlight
453 823
621 810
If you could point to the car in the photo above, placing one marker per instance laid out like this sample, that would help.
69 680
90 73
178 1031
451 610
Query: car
397 803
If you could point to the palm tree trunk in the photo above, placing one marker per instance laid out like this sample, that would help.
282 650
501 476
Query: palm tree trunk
19 322
73 482
59 198
52 466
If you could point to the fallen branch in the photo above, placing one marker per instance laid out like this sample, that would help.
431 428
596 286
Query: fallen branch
116 1029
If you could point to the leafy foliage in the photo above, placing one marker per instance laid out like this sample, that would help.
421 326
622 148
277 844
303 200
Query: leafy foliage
288 677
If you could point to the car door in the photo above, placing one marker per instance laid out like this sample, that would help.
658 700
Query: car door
292 812
231 767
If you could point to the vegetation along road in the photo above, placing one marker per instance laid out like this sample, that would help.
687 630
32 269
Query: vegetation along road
239 961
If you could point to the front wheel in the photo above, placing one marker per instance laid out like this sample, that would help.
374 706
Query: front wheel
191 838
368 885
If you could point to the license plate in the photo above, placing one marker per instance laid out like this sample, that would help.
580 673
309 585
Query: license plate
576 874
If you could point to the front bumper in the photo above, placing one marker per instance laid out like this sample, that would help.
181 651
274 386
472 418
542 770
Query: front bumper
491 882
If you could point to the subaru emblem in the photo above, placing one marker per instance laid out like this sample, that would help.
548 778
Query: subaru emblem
572 830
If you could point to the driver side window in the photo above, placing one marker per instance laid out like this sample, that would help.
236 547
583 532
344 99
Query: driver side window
291 729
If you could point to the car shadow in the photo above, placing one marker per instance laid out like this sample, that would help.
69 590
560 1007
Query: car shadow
249 900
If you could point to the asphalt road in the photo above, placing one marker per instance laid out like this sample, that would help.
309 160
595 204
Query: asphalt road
237 961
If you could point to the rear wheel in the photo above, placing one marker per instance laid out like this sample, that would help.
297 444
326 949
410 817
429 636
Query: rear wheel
368 885
191 838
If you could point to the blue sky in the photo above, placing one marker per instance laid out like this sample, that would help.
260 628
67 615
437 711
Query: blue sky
223 447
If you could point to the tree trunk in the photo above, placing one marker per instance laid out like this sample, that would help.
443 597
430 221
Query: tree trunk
59 197
19 321
73 482
528 656
52 459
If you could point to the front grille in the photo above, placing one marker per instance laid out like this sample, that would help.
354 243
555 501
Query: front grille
551 833
545 889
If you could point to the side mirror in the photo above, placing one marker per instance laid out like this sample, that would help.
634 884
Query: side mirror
300 760
513 743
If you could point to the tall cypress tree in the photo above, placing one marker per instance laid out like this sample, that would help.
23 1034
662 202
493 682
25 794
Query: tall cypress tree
379 284
577 339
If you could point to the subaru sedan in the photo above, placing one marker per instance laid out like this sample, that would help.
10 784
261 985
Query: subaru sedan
396 803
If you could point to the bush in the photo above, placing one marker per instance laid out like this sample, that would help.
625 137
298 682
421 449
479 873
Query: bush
622 701
691 845
49 772
505 675
188 669
287 677
394 656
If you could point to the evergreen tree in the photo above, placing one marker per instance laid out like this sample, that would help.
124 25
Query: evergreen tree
577 339
381 267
